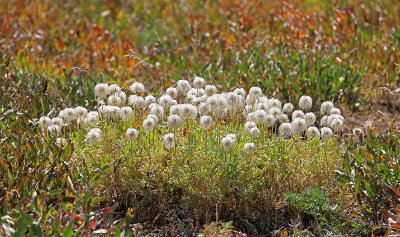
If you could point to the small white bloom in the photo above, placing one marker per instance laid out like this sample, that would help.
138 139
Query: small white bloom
326 107
157 110
227 143
288 108
211 90
114 100
335 111
206 122
81 111
137 102
299 125
68 115
203 108
283 118
249 148
274 103
310 119
126 113
358 133
101 90
183 87
148 125
137 88
326 133
173 92
255 92
54 130
165 101
305 102
232 136
298 114
57 121
169 141
154 117
93 136
336 124
44 122
276 112
313 132
174 121
131 134
114 89
150 99
240 91
269 121
198 82
286 130
254 132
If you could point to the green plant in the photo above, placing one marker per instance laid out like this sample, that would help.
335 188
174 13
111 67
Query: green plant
311 201
371 170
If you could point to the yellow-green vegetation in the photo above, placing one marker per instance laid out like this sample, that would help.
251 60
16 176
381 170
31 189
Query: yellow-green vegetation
80 156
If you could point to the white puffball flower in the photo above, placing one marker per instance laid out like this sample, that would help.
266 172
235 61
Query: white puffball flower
153 116
148 125
211 90
313 132
81 112
269 121
93 136
232 136
150 99
324 121
240 91
254 132
288 108
336 124
165 101
227 143
101 90
44 122
183 87
203 108
310 119
305 102
326 133
122 96
126 113
169 141
173 92
114 89
114 100
137 102
174 121
189 111
274 103
54 130
249 148
255 92
251 117
260 116
131 134
286 130
326 107
249 125
283 118
92 117
157 110
176 109
68 115
199 82
57 121
276 112
262 106
137 88
206 122
335 111
298 114
299 125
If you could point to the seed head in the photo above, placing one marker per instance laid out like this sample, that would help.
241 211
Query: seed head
183 87
44 123
206 122
126 113
199 82
101 90
249 148
173 92
288 108
131 134
137 88
326 133
169 141
326 107
313 132
174 121
310 119
305 102
286 130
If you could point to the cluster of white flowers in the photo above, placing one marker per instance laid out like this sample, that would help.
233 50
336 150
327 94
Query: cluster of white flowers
185 101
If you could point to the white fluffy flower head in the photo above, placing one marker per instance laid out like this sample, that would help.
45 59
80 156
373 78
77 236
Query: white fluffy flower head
305 102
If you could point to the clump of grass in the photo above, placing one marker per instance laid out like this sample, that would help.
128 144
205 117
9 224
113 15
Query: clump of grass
200 148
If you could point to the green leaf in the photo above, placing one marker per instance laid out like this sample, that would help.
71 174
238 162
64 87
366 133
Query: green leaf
68 230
